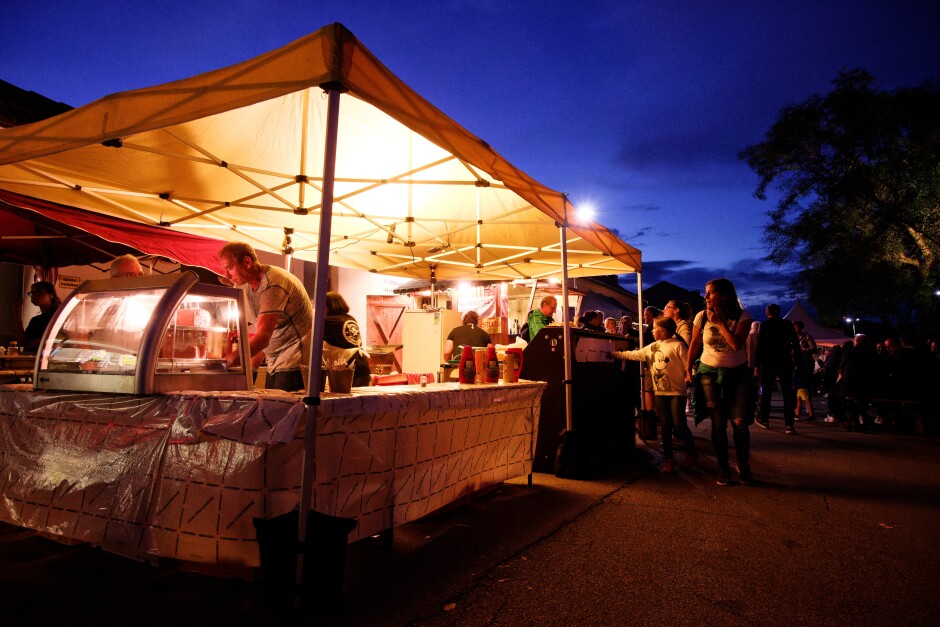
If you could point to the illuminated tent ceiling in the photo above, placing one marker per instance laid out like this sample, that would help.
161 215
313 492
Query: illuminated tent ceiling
238 154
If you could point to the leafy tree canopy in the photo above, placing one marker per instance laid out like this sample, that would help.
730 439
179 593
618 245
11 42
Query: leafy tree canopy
858 172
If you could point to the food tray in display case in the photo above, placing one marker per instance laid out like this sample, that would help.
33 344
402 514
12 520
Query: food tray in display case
145 335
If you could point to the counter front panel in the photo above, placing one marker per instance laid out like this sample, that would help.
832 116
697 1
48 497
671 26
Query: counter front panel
182 475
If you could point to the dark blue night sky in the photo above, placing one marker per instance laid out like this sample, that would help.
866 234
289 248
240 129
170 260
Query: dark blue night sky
637 108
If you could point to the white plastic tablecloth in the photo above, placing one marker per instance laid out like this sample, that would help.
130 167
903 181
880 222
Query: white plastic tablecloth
182 475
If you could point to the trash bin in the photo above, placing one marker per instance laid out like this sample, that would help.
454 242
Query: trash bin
324 557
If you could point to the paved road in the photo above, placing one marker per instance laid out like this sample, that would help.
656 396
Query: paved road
840 528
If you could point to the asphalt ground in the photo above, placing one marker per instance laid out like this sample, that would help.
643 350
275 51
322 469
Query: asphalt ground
839 528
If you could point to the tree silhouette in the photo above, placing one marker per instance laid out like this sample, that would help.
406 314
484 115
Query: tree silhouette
858 173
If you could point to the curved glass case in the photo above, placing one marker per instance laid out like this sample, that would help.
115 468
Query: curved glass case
145 335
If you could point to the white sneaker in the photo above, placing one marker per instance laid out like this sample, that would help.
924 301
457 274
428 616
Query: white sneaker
829 419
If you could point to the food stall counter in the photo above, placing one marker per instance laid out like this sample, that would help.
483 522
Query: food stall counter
183 475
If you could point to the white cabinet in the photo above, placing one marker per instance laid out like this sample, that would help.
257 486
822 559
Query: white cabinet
423 336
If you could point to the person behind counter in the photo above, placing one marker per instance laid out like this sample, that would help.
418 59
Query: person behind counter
41 294
541 317
610 326
126 266
592 320
342 340
467 334
284 316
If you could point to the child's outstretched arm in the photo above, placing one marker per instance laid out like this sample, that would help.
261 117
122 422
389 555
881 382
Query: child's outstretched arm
637 355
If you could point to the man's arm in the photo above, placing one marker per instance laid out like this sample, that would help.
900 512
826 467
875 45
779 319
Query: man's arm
448 349
264 328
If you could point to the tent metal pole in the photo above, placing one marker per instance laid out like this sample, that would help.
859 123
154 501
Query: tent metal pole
565 320
535 284
287 248
315 374
639 311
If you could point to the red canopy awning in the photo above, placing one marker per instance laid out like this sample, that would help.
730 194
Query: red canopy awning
40 233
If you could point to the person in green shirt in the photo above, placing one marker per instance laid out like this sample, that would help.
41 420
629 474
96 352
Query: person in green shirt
542 316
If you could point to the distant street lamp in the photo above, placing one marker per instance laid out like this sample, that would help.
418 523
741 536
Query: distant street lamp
852 322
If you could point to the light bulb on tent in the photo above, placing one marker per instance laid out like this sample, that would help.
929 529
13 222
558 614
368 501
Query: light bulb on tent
585 213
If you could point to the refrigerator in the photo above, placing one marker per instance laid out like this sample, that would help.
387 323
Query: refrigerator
423 336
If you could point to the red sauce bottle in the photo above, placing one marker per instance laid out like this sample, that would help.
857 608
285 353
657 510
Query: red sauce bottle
492 366
468 371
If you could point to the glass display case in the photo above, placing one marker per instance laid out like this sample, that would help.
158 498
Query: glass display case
145 335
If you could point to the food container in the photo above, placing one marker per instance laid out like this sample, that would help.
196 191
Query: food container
145 335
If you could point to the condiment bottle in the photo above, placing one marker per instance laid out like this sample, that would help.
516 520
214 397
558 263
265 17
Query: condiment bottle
492 366
509 368
516 369
479 362
468 371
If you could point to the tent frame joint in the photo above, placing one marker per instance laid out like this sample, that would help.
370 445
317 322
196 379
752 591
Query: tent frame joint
336 86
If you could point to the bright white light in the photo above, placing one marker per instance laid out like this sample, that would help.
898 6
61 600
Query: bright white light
231 315
586 213
464 290
848 319
137 312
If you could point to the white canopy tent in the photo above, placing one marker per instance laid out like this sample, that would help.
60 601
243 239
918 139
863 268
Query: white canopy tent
238 153
823 335
319 151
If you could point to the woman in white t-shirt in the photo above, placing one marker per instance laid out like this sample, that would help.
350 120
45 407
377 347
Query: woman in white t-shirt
719 336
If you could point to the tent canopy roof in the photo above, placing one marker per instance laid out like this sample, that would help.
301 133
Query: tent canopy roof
823 335
238 154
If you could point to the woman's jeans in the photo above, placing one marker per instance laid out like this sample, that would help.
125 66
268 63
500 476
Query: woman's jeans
727 401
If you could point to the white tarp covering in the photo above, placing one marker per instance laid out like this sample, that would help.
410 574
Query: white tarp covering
182 475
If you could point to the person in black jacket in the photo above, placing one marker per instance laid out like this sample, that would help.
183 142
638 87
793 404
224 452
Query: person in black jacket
777 344
342 340
41 294
859 369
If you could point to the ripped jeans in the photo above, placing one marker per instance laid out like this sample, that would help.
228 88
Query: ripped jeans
726 396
